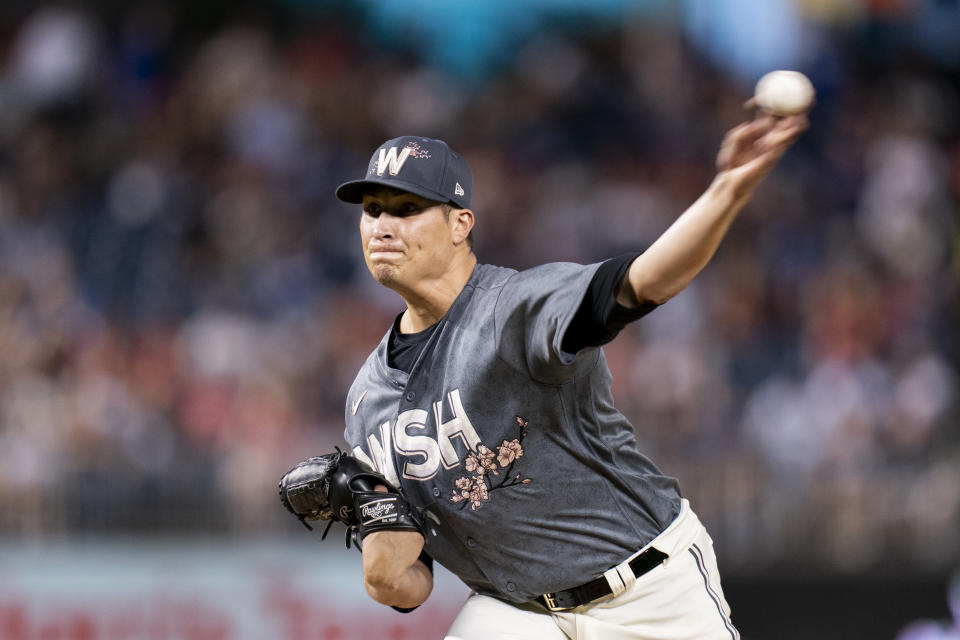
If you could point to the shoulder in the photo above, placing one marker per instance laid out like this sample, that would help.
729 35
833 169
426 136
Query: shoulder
532 314
501 287
553 271
488 277
491 277
549 280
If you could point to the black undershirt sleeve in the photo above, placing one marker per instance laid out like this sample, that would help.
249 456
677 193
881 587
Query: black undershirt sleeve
600 317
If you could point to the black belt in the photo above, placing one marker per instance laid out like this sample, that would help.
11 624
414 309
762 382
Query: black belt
599 587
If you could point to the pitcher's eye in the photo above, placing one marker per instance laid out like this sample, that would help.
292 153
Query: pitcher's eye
372 209
408 208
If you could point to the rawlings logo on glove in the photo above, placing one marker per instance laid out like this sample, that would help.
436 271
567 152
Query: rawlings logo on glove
378 510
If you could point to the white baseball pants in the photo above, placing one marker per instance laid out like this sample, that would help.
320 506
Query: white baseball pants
679 600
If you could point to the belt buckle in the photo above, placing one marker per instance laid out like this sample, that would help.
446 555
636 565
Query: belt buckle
551 602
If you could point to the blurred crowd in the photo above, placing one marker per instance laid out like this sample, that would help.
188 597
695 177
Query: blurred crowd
183 303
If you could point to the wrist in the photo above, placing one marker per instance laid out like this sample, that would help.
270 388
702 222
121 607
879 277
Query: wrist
726 189
734 186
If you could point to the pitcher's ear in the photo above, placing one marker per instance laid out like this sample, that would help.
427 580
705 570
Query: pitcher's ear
462 224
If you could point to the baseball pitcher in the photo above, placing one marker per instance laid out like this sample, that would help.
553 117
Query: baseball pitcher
482 433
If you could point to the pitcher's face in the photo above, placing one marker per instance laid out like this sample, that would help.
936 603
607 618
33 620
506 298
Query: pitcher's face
406 238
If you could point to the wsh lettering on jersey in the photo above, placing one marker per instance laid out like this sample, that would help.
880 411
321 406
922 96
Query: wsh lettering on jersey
424 446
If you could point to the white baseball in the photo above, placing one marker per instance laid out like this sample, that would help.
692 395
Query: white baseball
784 93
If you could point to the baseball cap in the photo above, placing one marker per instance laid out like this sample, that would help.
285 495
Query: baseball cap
424 166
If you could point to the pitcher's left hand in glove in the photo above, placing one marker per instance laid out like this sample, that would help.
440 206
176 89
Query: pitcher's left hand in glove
337 486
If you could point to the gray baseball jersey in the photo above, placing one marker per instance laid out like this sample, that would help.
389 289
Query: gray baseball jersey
528 478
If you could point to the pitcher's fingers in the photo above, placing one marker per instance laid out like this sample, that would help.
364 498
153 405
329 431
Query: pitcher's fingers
786 132
749 132
760 165
736 132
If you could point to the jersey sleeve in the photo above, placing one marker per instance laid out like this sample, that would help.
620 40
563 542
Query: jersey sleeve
600 317
534 311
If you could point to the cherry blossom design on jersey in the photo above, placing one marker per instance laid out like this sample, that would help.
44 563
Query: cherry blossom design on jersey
485 466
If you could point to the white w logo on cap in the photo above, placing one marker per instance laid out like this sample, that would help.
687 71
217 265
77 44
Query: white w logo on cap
392 160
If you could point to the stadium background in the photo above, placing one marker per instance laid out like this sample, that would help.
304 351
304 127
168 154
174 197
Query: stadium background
183 303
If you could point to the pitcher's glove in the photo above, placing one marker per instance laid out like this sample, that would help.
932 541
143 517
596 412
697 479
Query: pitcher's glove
339 487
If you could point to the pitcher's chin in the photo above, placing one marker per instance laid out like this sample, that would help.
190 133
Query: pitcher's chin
384 272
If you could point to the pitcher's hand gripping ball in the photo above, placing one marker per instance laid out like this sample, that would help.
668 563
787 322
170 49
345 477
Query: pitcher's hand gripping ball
338 487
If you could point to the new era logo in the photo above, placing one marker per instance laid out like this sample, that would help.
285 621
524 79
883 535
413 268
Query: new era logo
458 190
